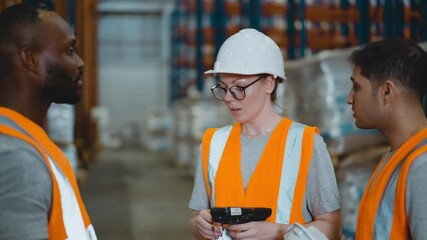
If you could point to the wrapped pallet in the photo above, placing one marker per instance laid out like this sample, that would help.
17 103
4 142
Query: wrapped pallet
353 174
192 118
158 129
60 128
206 114
316 94
182 141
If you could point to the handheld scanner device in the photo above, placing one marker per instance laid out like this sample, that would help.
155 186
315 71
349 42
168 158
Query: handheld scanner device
237 215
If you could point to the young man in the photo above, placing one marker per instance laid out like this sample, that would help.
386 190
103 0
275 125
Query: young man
39 196
389 83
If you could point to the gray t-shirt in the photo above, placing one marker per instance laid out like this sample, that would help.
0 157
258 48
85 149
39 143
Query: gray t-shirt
416 196
416 204
321 194
25 191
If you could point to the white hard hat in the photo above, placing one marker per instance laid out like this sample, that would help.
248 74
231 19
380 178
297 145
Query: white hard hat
249 52
297 231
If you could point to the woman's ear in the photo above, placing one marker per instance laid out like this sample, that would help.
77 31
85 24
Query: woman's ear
270 83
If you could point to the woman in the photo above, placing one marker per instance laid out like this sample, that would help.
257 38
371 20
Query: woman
263 160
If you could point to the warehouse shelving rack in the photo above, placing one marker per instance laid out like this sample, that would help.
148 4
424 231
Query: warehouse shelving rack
300 27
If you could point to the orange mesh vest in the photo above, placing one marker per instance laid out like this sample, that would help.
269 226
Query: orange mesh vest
22 128
373 195
282 168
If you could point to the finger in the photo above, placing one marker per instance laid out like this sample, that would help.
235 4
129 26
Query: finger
240 235
210 231
217 230
208 234
236 227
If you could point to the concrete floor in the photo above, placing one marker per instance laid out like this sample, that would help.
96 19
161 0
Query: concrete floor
137 195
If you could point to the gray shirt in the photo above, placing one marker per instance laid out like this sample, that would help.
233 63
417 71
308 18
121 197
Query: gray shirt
416 204
25 191
416 196
321 194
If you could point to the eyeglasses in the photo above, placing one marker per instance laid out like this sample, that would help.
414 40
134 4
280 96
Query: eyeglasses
237 92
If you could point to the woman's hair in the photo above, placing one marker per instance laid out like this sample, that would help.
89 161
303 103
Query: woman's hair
273 95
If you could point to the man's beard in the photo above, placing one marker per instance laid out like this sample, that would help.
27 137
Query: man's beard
59 86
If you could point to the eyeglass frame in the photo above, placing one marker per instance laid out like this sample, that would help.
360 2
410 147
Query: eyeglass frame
235 86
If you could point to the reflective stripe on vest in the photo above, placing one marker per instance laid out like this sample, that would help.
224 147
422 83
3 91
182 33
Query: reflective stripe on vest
219 139
73 221
382 210
215 141
288 181
400 222
68 218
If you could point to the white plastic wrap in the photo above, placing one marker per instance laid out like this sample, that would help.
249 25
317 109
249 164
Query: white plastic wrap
316 94
181 111
298 232
101 116
158 129
71 152
159 120
353 175
182 153
60 128
207 114
192 117
60 123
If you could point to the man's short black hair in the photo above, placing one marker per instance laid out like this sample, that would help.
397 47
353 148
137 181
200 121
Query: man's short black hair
399 60
15 22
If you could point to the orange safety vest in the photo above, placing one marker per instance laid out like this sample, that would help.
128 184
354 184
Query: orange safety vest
26 130
373 195
226 188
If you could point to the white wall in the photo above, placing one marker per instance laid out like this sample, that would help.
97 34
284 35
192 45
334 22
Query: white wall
133 58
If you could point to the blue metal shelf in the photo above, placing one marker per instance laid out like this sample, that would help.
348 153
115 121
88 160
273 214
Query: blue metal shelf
199 45
399 21
48 3
255 14
303 43
393 19
345 5
423 10
290 19
363 28
219 20
175 53
251 15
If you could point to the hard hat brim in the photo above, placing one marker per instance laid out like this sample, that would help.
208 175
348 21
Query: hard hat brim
214 72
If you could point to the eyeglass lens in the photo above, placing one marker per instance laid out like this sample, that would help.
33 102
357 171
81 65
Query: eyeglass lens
237 92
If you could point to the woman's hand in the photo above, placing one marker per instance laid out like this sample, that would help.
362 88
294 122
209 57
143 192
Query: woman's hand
257 230
202 222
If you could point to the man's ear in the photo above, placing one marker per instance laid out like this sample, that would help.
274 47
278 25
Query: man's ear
388 90
29 59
